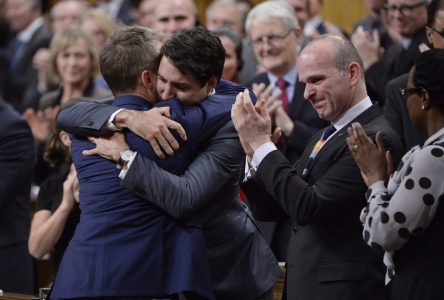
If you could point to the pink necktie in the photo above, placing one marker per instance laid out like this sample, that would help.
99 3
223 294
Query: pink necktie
282 85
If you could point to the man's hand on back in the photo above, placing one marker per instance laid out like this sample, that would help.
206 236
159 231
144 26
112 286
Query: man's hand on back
154 126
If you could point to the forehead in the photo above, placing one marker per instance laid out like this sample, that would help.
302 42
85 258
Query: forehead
174 7
298 3
315 60
403 2
170 73
268 26
225 13
77 44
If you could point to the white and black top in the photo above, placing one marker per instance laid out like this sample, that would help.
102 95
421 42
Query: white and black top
408 204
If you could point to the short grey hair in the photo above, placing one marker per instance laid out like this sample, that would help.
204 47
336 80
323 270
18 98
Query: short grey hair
272 9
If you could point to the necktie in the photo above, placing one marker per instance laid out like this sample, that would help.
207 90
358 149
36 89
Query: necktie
19 47
327 132
282 85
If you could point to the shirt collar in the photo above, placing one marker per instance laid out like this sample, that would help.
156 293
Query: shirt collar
26 34
352 113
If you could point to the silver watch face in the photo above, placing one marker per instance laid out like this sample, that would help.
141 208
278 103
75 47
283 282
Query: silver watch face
126 155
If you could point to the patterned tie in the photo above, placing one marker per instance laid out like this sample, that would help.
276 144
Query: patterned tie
282 85
19 48
327 132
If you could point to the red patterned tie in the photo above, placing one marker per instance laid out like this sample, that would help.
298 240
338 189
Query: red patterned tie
282 85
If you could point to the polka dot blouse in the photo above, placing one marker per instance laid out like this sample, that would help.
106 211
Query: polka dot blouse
409 202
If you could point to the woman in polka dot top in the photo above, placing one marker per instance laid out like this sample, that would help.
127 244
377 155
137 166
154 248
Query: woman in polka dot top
403 217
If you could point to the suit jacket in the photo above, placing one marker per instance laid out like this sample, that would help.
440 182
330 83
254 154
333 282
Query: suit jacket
395 62
397 115
327 256
115 221
16 160
305 118
20 88
241 264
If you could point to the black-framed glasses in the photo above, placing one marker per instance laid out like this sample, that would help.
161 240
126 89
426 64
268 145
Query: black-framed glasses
441 33
273 40
407 92
404 9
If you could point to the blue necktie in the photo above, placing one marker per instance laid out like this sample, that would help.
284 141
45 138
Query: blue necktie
327 132
19 48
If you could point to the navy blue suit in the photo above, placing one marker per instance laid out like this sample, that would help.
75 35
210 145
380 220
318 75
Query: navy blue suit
126 246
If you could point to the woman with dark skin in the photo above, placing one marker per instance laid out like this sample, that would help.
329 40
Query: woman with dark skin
404 217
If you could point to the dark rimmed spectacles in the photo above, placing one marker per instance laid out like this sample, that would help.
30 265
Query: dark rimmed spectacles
441 33
407 92
404 9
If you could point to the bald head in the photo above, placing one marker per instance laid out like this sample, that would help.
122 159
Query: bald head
332 72
171 16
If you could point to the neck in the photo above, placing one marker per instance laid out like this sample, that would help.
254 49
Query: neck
434 121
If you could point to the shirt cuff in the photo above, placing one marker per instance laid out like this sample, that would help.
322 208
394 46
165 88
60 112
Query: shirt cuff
260 154
122 173
110 125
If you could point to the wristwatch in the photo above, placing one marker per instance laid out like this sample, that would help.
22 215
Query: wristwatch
125 157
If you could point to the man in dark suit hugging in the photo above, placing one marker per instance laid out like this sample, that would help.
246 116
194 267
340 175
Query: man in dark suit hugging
324 192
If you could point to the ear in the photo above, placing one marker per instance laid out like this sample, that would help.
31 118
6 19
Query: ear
64 137
298 34
354 73
211 84
147 78
425 98
429 34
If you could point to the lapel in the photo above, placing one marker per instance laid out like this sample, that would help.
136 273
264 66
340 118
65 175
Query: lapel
298 103
333 148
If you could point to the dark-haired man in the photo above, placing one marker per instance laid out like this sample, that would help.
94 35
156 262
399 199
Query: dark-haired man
241 265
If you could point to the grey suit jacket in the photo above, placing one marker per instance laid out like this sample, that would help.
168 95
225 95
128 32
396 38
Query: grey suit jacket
241 263
327 256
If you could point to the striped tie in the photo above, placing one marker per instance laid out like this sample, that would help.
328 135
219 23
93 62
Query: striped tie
327 132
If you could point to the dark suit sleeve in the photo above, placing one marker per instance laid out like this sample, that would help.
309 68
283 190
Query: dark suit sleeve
16 160
304 203
265 209
183 196
86 118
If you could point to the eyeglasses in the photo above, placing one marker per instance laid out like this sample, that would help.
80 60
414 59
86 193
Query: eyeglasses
274 40
404 9
407 92
441 33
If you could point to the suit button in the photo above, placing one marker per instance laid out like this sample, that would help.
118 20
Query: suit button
90 123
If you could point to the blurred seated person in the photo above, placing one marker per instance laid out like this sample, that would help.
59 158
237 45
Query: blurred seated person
63 15
233 53
405 217
100 26
57 212
74 64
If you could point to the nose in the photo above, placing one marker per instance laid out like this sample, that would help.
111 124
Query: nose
308 91
166 92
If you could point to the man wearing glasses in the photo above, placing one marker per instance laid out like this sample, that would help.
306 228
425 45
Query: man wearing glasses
395 109
407 18
274 32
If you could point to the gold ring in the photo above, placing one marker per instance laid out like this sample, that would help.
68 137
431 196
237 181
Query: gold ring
92 140
355 147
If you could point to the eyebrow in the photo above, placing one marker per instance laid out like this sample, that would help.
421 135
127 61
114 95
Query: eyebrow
179 85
